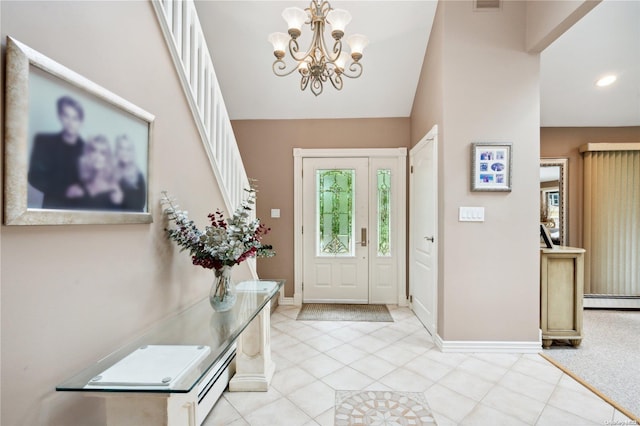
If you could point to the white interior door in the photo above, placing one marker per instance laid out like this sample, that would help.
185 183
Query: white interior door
423 240
335 230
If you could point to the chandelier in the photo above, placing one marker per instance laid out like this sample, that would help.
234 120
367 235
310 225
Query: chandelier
318 64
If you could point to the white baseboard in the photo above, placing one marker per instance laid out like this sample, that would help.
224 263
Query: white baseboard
487 346
285 301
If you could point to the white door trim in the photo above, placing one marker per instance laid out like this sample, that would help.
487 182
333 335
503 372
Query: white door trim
298 155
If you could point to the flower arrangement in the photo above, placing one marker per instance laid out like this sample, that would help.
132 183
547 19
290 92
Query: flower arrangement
225 242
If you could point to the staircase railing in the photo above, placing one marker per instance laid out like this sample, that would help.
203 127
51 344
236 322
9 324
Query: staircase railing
191 56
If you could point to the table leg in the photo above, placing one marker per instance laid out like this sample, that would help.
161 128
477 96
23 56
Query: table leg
254 367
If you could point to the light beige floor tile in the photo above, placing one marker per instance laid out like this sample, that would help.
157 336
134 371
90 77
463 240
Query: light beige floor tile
373 366
291 379
281 362
288 325
412 347
515 404
406 381
589 407
305 333
466 384
246 402
298 353
366 327
327 418
323 342
552 416
388 334
450 359
570 383
483 415
526 385
487 371
399 313
311 423
326 326
448 403
395 355
369 344
346 334
314 399
442 420
320 365
502 360
622 419
239 422
347 378
222 414
428 368
280 412
419 341
377 386
282 342
346 353
546 372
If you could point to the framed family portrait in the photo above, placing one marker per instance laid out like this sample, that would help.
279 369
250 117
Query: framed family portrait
75 153
491 166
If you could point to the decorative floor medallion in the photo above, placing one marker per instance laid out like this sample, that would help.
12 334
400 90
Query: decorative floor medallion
382 408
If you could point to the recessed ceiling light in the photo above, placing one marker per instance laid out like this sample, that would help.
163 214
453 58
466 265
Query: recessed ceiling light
606 80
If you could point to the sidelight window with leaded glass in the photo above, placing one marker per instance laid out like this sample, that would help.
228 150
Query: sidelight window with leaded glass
335 204
384 212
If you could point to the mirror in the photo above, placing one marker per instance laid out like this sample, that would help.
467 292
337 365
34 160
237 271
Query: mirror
553 198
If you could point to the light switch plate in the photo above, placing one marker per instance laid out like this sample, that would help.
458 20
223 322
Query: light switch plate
275 213
471 214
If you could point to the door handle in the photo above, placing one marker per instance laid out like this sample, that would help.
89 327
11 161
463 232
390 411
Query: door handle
363 237
432 239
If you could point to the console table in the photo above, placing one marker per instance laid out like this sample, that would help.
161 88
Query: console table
175 373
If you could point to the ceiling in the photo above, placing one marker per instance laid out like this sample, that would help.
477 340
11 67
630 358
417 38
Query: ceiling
606 40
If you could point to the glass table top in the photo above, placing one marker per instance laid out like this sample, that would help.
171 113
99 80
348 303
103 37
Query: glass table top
176 353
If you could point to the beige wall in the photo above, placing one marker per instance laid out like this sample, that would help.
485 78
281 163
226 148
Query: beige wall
564 142
267 146
72 294
488 272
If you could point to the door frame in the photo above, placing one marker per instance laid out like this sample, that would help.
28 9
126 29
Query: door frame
400 185
431 136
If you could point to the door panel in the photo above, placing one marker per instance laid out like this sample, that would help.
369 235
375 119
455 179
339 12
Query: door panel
335 210
422 234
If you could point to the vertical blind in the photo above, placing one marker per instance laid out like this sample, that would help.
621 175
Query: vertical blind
612 219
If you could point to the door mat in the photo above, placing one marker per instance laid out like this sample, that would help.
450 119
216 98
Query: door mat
344 312
382 408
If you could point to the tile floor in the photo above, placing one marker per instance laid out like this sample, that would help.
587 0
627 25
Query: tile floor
315 358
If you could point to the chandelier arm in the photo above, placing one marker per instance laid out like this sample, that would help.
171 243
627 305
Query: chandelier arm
327 52
336 81
280 68
354 70
294 50
316 86
304 82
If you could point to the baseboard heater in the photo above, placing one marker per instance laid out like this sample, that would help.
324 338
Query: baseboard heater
597 301
213 384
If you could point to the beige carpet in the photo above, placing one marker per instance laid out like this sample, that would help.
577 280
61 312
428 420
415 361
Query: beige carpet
608 360
378 408
344 312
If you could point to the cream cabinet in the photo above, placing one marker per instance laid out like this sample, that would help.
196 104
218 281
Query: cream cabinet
561 292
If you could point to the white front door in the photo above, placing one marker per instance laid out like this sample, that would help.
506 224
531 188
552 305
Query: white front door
335 230
423 241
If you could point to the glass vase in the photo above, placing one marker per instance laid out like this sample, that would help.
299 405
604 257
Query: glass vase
223 292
